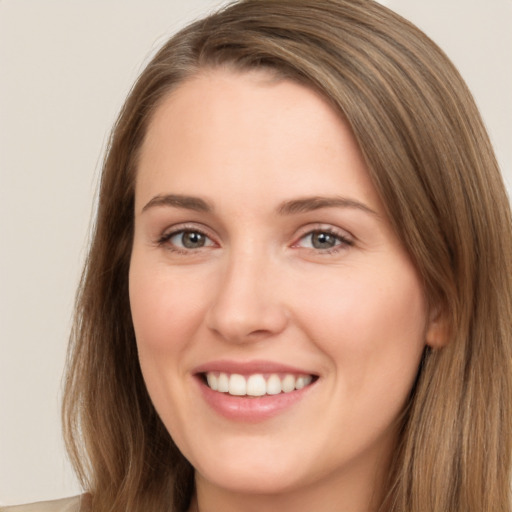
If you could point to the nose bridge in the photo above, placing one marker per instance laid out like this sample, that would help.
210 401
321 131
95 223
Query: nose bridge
247 304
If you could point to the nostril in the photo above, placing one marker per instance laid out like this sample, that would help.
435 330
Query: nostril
246 324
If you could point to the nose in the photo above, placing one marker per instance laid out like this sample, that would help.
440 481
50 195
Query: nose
248 304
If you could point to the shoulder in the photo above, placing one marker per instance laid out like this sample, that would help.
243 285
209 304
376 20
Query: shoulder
75 504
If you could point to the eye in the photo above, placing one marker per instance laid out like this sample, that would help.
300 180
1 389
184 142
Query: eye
323 240
188 239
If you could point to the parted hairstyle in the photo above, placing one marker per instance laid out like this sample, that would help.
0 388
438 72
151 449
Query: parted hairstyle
432 165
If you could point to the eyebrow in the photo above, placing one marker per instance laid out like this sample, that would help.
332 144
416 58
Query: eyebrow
179 201
294 206
308 204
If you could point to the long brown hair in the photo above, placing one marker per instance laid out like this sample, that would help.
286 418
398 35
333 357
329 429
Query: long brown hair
432 164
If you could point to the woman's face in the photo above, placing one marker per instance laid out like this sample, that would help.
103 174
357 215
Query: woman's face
263 263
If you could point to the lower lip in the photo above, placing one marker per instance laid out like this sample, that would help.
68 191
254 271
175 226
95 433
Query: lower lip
251 409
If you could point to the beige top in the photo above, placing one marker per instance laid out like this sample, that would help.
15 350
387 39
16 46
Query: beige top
64 505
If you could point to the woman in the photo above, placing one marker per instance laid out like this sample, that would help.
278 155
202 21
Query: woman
298 294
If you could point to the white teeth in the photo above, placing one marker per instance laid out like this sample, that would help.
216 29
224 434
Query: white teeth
288 384
300 383
256 384
237 385
223 383
273 385
212 381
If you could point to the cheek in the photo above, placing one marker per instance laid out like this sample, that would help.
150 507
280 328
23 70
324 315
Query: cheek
166 312
166 309
372 325
368 306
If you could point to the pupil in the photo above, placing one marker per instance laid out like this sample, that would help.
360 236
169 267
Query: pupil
323 240
193 240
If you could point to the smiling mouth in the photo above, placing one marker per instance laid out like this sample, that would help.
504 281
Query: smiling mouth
256 385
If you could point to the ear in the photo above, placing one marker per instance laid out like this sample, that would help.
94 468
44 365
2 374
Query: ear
438 330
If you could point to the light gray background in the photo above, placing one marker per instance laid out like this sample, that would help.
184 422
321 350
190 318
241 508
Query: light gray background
65 68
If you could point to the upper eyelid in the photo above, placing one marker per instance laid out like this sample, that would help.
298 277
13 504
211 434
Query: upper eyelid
343 240
299 233
321 227
174 230
187 226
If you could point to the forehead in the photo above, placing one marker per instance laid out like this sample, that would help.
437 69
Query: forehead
253 131
214 100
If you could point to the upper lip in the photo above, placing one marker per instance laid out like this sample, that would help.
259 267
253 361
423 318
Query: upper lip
249 367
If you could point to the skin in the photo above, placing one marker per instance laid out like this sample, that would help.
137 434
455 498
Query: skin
355 314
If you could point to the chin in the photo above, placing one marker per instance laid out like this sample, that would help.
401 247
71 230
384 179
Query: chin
254 480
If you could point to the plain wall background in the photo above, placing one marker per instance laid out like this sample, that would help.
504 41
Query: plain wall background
65 68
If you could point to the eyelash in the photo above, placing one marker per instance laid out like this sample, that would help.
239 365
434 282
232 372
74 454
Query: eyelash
166 237
343 241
